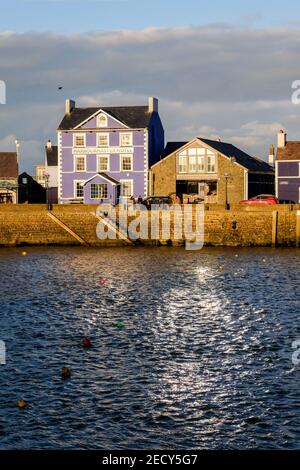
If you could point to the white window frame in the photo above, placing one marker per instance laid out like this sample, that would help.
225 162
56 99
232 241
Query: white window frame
211 155
126 181
75 163
106 134
186 164
126 155
122 134
101 115
74 189
97 198
74 140
98 162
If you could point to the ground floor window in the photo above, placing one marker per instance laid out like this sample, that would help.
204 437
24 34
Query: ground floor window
99 191
126 188
210 188
79 189
206 190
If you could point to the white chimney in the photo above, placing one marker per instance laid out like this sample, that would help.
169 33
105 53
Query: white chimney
271 155
49 144
281 139
152 104
70 105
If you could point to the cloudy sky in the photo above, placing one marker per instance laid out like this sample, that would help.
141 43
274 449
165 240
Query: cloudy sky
218 72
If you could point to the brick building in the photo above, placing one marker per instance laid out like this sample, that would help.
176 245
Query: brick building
8 177
211 170
287 167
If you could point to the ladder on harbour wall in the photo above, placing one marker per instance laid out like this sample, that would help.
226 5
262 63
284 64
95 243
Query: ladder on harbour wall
115 228
68 229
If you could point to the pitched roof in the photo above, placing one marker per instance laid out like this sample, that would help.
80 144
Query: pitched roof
229 150
104 176
135 117
52 155
172 147
8 165
290 152
245 160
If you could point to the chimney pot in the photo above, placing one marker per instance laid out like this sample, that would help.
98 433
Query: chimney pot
271 155
70 105
152 104
281 139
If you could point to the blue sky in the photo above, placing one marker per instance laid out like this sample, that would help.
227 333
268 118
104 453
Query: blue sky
220 68
103 15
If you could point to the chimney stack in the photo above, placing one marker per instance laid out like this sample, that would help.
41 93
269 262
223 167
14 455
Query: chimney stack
152 104
281 139
70 105
49 144
271 155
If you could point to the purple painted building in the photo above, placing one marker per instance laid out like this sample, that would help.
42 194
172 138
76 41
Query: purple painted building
105 153
287 167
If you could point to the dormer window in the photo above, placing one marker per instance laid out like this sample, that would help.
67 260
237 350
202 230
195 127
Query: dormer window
102 120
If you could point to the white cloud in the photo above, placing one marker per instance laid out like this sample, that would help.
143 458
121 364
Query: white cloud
213 81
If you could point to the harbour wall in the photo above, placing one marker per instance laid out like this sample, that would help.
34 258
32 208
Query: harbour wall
22 225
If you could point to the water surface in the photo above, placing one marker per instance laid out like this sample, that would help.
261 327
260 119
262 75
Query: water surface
203 359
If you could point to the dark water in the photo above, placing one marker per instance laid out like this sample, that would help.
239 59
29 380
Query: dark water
203 359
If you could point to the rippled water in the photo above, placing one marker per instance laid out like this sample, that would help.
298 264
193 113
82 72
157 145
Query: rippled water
203 359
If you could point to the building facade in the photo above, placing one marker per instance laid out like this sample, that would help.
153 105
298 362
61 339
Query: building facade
287 166
40 174
30 191
213 171
8 177
105 153
51 172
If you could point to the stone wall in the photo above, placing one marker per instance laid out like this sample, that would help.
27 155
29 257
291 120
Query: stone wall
163 176
164 179
241 226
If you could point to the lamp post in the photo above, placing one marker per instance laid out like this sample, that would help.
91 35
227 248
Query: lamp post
46 179
17 144
226 176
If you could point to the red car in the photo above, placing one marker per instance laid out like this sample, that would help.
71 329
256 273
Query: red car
261 199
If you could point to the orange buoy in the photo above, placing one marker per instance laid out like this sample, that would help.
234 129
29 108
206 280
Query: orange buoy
24 253
21 404
65 372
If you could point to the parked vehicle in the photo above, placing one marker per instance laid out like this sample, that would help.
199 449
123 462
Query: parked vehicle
149 201
262 199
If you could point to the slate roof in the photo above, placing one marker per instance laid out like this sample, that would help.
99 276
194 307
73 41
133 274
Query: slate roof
52 155
172 147
290 152
135 117
8 165
229 150
251 163
105 176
